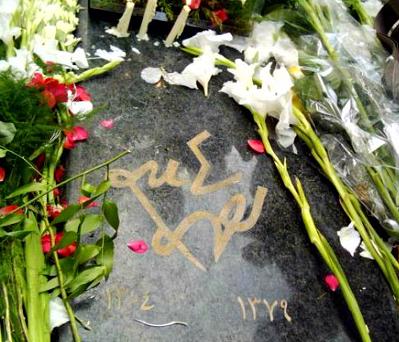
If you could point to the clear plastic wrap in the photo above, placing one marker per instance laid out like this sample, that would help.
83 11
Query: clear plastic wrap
343 89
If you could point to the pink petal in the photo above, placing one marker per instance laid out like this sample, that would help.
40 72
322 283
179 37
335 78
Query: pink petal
83 199
331 281
2 174
79 133
109 123
256 145
138 246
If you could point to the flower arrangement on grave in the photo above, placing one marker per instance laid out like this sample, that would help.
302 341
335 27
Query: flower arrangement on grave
300 67
218 14
45 261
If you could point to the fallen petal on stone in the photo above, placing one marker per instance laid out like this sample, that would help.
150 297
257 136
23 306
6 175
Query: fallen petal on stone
108 123
331 281
256 145
151 75
138 246
349 238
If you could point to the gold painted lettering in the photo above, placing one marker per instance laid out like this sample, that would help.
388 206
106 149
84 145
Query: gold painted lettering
284 305
252 303
198 187
242 305
270 308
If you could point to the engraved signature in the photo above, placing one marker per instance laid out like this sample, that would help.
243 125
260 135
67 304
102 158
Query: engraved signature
228 221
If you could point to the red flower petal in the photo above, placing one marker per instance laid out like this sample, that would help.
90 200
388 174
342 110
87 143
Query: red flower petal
109 123
138 246
54 211
81 94
59 173
39 162
256 145
46 243
56 192
49 98
9 208
193 4
37 81
221 16
58 89
331 281
63 252
68 143
84 199
77 133
2 174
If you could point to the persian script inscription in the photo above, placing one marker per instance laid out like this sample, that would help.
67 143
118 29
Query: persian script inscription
228 221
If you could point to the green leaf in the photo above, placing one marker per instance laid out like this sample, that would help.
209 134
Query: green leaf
110 211
90 222
102 187
72 225
19 234
106 255
2 153
85 277
67 239
85 253
51 284
7 132
67 213
11 219
32 187
87 189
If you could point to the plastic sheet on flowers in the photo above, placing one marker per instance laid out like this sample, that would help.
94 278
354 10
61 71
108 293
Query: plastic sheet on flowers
344 65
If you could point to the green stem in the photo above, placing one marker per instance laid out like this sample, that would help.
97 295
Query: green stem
22 158
36 303
346 198
7 321
95 168
314 234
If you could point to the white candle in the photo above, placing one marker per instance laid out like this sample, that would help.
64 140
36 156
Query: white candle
148 16
179 25
123 25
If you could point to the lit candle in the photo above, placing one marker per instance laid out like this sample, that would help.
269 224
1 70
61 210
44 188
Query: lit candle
148 15
123 25
181 21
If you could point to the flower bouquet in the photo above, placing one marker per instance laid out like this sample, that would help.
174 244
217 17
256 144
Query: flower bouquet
47 260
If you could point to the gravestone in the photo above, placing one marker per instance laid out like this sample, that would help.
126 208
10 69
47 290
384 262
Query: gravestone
229 257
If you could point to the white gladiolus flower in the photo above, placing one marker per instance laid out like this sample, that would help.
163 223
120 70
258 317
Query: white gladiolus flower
273 98
80 107
115 54
349 238
79 58
200 70
208 41
267 41
58 313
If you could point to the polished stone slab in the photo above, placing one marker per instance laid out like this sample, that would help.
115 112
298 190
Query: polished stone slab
256 281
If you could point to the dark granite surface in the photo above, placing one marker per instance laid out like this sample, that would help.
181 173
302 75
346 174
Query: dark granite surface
272 261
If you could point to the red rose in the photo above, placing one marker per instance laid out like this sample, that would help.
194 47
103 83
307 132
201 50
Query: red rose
193 4
219 16
63 252
9 208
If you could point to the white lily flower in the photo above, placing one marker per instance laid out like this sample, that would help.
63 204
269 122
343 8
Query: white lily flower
274 98
115 54
7 33
79 58
48 51
243 72
58 313
200 70
208 41
80 107
268 41
349 238
4 65
22 64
